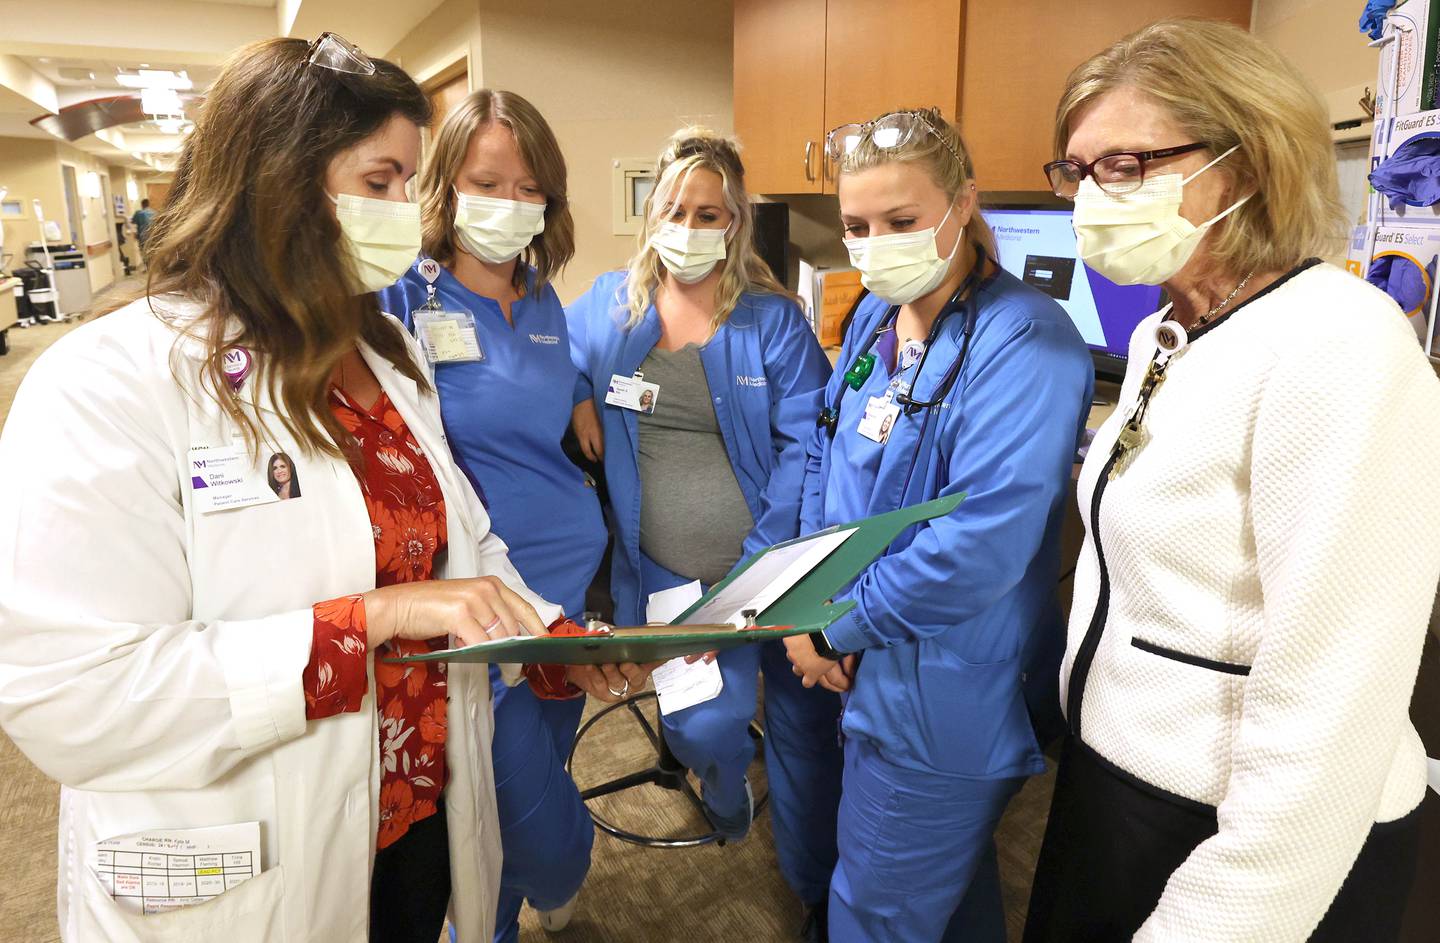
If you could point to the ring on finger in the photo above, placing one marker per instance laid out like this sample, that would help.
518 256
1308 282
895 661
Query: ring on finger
620 693
492 626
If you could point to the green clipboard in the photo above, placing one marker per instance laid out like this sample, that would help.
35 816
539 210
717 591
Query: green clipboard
806 607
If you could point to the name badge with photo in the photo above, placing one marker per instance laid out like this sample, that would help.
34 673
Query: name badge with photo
879 419
632 393
225 477
448 336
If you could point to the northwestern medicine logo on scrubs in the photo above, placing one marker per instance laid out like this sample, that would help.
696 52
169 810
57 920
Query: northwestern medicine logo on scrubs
544 339
742 380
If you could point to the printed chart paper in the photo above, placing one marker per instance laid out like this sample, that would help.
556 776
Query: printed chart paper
157 871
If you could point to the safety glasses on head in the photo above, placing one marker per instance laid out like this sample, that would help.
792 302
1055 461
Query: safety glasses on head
885 132
1117 174
332 51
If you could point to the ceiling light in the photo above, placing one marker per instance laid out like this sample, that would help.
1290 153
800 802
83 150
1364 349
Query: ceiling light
155 78
161 103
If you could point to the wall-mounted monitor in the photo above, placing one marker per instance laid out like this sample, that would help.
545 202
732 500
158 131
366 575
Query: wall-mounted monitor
1037 245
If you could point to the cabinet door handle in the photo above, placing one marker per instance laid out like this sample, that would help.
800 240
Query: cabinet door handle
809 174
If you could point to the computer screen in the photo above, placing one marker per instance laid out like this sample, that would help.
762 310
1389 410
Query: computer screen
1037 245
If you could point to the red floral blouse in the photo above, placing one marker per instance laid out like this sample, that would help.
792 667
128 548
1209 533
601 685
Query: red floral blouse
407 515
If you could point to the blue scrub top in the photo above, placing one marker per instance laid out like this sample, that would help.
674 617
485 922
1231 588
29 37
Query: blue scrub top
957 611
765 370
505 418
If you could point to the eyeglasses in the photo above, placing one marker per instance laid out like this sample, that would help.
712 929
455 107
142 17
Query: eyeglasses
886 132
1116 174
333 51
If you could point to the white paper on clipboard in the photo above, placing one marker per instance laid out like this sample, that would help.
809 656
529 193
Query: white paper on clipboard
769 578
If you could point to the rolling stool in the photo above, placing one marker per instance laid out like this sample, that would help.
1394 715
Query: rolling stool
666 772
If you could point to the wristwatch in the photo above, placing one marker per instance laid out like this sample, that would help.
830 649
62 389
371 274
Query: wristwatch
823 648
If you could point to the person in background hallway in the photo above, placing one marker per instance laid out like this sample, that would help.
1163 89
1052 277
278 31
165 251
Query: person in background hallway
710 473
1258 566
182 651
979 384
142 219
497 219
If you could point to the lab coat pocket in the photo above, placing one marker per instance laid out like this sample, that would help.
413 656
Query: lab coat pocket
250 912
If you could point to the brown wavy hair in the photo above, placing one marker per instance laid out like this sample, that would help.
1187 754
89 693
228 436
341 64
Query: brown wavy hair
250 234
550 250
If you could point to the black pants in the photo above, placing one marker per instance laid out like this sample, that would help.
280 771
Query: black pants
1113 841
410 887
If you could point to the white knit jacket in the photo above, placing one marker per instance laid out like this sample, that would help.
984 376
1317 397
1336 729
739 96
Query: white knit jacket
1284 516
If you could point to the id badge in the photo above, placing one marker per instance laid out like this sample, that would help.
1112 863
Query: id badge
632 393
879 419
226 477
448 336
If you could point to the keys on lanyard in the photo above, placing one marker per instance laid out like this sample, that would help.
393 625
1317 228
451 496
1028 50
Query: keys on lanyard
1170 339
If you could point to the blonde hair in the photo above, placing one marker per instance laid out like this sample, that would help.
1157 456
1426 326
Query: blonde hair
547 252
1225 87
742 269
942 155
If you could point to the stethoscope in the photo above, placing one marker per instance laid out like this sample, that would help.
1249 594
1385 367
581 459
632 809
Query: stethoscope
966 297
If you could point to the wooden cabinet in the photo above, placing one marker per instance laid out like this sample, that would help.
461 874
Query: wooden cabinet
780 93
884 56
805 66
1017 57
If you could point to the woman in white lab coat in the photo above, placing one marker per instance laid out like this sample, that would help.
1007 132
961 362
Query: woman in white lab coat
180 648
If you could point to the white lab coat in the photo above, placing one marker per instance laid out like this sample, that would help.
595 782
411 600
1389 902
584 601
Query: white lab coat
151 656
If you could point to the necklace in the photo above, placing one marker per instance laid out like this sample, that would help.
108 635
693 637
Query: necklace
1206 319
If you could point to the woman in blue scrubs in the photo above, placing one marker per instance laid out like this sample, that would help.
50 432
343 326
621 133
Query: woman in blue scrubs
707 470
497 222
955 377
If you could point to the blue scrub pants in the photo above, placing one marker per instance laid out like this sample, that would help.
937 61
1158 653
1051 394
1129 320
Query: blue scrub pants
917 854
803 759
545 829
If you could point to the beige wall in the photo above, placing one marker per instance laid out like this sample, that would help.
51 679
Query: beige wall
1322 39
614 80
31 169
449 34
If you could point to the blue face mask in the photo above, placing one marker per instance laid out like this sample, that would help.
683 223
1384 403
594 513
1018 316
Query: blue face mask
1410 176
1403 280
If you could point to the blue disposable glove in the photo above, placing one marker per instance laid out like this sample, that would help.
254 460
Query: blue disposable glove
1410 176
1372 21
1402 279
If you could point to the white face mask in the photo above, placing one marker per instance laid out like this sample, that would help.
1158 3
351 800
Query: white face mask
495 230
903 266
688 254
1140 238
382 237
